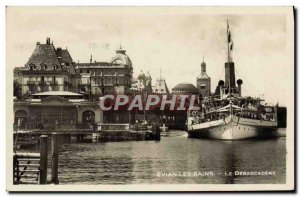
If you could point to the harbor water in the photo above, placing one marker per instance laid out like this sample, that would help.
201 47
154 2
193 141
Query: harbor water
174 160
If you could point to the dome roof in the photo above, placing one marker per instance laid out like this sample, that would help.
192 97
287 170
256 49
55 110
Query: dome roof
141 75
121 58
185 88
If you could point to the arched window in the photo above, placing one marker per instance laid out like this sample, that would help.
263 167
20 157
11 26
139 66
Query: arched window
32 67
88 116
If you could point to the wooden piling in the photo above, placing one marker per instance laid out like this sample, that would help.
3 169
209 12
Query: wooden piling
54 163
43 159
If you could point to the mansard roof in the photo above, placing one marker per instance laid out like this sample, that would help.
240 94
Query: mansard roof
43 54
47 57
66 57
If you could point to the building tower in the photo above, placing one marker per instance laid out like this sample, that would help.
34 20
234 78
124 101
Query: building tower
203 81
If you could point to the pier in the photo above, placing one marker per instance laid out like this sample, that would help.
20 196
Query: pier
31 168
96 133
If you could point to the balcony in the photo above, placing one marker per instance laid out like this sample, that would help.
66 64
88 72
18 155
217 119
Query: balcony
42 83
68 84
30 82
53 83
48 127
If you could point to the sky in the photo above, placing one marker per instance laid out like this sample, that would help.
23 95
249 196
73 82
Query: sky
171 40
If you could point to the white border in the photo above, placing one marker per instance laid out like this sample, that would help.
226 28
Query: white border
93 2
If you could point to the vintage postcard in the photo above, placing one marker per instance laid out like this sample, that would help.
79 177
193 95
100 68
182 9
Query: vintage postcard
150 98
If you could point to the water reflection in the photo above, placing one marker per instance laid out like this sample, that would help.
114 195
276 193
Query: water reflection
140 162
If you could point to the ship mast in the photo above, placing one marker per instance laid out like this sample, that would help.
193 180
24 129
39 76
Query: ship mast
228 59
228 41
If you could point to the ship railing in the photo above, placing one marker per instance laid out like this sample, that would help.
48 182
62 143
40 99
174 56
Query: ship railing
255 115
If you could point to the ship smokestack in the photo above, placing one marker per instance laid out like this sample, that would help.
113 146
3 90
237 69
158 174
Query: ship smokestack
229 74
240 82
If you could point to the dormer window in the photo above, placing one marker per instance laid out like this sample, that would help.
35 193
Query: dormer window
32 67
43 67
55 67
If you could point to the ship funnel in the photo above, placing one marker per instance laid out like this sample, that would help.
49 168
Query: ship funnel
239 83
229 74
221 83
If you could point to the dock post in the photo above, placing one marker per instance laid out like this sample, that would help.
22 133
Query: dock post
54 163
43 159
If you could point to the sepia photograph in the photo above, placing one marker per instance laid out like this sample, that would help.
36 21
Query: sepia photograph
150 98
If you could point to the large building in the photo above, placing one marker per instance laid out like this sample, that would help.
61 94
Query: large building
100 78
53 91
203 82
48 69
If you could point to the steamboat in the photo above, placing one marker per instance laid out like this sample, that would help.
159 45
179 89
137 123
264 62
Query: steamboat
228 115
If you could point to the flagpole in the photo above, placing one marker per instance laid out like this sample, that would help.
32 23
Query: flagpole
228 58
228 34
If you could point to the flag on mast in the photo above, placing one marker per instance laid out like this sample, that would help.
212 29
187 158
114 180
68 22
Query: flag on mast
229 36
229 39
231 46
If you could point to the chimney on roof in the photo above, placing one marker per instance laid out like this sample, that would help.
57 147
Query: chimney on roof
91 59
48 41
59 52
38 43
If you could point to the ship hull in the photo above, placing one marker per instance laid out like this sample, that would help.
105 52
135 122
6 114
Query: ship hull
233 128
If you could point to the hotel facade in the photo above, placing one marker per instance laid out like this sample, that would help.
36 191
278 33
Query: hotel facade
52 91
